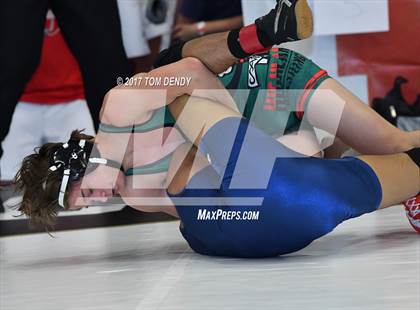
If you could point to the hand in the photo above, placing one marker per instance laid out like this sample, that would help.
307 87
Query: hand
185 31
97 186
103 178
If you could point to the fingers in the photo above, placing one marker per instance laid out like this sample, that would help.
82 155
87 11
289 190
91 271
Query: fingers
184 31
178 31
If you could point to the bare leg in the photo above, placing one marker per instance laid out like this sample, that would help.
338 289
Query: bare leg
217 58
399 177
360 127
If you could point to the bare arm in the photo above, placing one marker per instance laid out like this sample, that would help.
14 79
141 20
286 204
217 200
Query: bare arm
181 19
224 24
129 105
133 104
218 58
187 30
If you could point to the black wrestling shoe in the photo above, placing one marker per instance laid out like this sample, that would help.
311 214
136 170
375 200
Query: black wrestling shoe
387 109
290 20
394 104
416 107
396 92
396 95
403 108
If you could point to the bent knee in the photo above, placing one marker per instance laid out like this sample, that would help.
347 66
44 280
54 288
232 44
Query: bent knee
194 65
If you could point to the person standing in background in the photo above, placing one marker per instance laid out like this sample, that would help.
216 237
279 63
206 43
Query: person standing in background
200 17
146 30
52 106
92 30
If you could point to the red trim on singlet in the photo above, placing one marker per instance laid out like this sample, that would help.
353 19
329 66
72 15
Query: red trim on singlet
271 86
248 39
307 90
271 103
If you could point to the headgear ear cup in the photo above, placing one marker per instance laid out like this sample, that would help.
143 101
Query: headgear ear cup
157 11
74 160
74 156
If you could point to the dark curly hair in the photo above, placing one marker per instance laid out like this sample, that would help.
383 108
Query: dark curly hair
40 186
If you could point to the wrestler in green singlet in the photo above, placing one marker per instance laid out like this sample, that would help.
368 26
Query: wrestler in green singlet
264 77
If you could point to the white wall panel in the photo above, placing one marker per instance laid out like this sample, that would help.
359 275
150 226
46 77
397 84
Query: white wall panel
333 16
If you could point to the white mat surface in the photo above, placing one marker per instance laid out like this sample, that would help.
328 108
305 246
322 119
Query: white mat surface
368 263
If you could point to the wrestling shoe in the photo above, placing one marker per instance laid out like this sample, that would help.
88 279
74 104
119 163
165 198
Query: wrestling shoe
396 95
394 104
412 209
396 92
387 109
416 106
290 20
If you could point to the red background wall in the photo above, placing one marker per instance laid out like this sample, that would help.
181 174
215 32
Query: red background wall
383 56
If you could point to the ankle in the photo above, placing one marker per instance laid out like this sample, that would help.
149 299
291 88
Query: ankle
246 41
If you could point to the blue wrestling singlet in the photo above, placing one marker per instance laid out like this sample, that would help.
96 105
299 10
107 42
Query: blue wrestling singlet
302 199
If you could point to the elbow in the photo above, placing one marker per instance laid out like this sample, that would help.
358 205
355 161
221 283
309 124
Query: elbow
102 115
113 111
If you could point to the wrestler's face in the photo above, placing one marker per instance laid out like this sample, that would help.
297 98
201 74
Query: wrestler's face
88 191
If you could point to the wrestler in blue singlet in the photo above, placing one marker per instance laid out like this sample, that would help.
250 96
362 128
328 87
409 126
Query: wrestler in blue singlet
303 199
